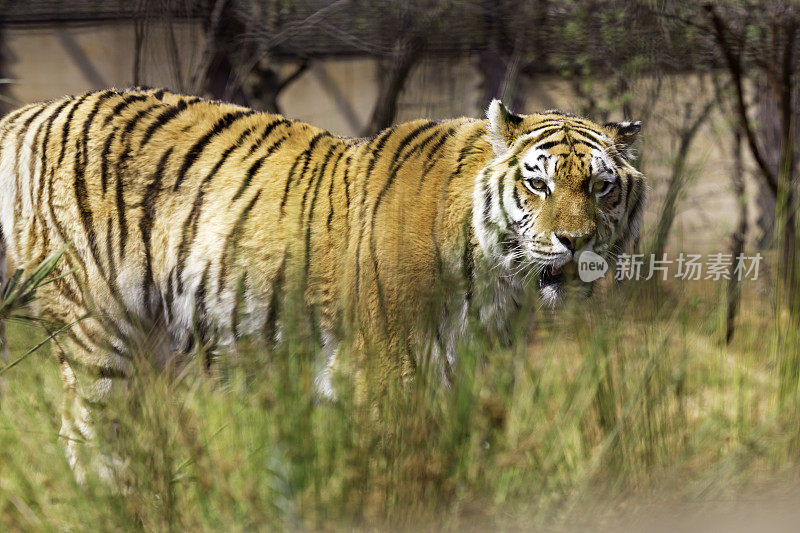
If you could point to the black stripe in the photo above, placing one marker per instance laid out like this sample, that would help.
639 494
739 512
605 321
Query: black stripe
39 180
312 174
127 100
20 135
468 261
190 225
311 207
201 313
515 193
146 221
550 144
23 130
346 185
487 198
105 156
130 125
231 241
87 124
255 168
288 184
395 165
462 155
241 289
592 135
345 175
431 157
67 124
8 122
305 156
65 289
221 125
169 298
121 217
84 207
330 190
267 131
527 143
501 187
425 142
381 142
584 142
164 117
275 300
109 372
112 267
590 139
45 142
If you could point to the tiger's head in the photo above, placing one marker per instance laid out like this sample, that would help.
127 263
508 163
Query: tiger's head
557 185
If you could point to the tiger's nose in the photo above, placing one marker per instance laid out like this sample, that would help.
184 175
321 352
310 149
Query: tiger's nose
573 242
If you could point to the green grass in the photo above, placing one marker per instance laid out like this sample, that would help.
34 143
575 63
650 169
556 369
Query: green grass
628 397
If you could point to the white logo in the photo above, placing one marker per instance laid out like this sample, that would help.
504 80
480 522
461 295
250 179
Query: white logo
591 266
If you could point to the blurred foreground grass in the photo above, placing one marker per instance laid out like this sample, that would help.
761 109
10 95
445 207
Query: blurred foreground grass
628 397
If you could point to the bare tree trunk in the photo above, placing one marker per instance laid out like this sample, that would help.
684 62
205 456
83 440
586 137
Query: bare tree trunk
216 75
769 132
738 236
234 71
405 56
678 179
499 69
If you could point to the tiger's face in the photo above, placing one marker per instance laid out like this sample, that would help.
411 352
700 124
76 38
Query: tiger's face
558 186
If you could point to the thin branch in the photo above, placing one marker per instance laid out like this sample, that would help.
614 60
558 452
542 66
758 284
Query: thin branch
734 62
301 68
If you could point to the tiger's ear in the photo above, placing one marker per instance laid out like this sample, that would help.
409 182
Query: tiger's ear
503 126
624 135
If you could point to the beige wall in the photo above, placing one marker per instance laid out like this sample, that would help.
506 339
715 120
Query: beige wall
338 95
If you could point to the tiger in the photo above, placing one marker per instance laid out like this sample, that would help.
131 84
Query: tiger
195 220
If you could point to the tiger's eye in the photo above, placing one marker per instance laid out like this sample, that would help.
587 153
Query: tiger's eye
538 184
600 187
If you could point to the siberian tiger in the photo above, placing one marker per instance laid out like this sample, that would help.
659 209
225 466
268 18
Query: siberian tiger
190 219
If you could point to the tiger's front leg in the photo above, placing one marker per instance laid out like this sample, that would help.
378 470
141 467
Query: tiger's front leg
323 381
